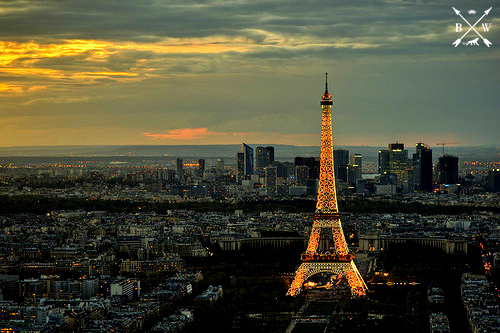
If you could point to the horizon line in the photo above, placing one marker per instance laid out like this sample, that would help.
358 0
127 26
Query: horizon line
232 144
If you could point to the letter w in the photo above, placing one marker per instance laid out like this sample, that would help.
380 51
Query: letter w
486 27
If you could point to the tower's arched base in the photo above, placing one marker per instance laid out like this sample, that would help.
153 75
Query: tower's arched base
345 269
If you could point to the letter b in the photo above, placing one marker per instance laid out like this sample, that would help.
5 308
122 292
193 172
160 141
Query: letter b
458 27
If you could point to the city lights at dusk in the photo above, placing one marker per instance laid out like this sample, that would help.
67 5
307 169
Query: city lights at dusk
249 166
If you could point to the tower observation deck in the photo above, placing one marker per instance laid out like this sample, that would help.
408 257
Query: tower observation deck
327 250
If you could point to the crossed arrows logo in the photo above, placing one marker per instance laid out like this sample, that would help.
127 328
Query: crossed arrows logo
474 41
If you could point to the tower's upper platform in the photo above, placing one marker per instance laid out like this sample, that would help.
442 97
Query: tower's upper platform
326 99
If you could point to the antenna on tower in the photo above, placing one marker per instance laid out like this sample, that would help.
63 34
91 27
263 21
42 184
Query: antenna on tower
326 81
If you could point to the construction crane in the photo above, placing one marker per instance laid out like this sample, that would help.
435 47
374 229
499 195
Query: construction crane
446 143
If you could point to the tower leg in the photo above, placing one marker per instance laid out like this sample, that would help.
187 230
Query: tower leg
356 282
298 281
345 269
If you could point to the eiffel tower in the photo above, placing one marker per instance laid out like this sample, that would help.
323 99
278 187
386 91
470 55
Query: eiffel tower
327 250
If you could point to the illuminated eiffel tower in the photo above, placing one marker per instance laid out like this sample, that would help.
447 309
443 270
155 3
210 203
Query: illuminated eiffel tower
327 250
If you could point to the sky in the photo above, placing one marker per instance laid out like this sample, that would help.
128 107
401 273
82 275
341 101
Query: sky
135 72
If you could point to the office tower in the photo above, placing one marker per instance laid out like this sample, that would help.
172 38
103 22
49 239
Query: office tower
415 165
383 161
280 169
409 180
248 159
422 168
301 175
494 180
201 167
288 169
220 167
314 167
340 157
240 167
351 175
271 175
356 166
395 161
260 159
312 187
327 250
298 160
343 173
270 154
180 169
312 163
388 179
448 169
264 157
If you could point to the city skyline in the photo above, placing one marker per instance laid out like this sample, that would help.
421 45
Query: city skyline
217 72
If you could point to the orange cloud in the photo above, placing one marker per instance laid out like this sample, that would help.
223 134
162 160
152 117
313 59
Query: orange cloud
187 134
31 52
203 135
14 88
37 87
4 87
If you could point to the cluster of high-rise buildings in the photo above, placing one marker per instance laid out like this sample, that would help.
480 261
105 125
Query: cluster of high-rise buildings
264 158
264 166
399 173
299 177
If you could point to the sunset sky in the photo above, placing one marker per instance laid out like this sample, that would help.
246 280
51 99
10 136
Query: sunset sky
129 72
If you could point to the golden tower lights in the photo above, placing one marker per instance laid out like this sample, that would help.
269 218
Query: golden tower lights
335 259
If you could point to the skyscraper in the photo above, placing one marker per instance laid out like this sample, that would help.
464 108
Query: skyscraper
494 180
220 167
180 169
260 159
301 175
271 185
342 174
422 168
394 160
340 158
240 167
264 157
448 169
201 167
356 167
248 159
270 154
312 163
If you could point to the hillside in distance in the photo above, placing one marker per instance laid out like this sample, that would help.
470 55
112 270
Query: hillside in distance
282 152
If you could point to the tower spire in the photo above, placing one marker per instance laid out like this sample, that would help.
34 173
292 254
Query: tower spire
326 99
